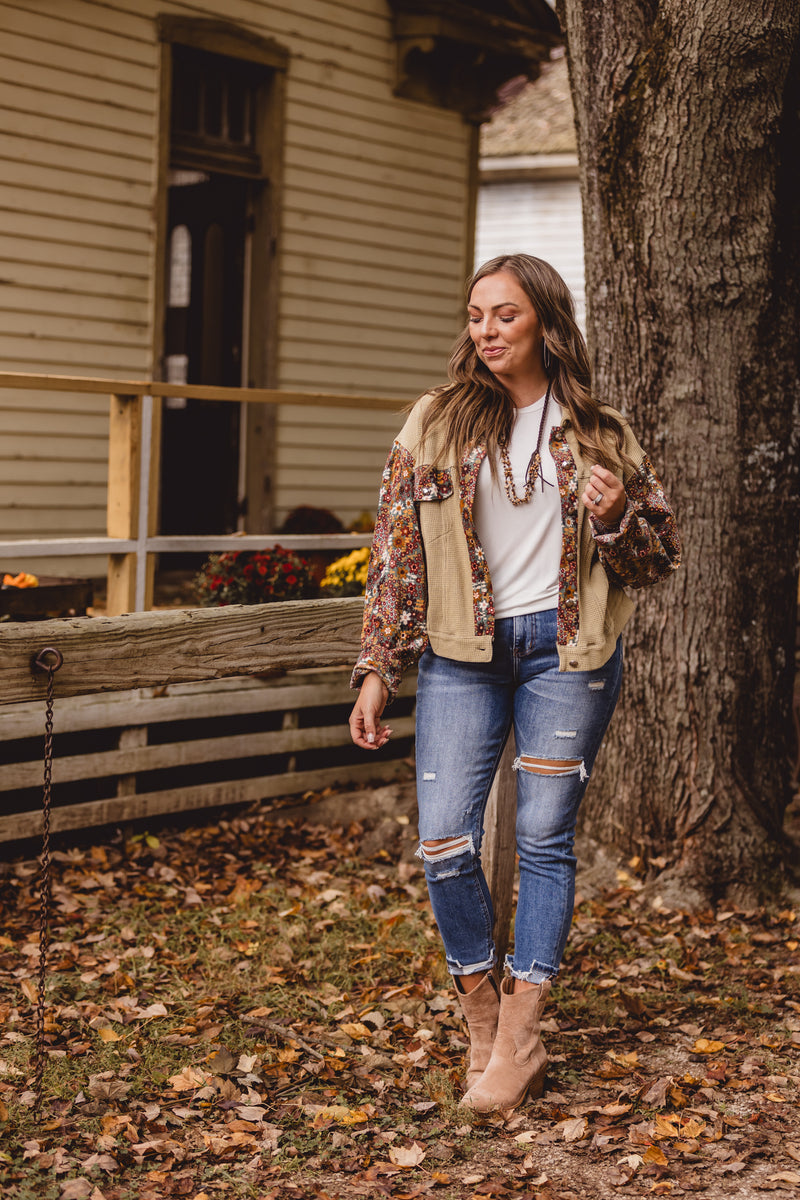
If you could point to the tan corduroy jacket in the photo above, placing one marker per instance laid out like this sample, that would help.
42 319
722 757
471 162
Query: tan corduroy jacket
429 582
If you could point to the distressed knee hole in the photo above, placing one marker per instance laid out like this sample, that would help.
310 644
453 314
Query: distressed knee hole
556 767
439 848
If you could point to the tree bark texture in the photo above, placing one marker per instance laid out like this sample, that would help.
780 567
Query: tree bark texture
689 143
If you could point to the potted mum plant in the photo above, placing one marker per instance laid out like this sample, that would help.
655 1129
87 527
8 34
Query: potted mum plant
347 576
253 577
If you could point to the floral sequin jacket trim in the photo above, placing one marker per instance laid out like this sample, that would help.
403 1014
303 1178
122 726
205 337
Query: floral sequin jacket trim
596 562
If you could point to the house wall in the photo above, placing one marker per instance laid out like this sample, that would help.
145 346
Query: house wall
535 216
372 248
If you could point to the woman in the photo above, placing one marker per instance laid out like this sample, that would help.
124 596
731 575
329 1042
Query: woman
514 507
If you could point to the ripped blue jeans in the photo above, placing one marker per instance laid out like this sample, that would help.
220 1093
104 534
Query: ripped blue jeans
464 712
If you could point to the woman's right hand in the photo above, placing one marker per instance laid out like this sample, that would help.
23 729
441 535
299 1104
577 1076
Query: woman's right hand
365 727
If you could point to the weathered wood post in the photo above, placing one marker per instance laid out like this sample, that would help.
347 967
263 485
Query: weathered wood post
122 521
134 462
498 852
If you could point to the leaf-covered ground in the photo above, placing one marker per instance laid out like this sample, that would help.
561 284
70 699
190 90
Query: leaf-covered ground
258 1008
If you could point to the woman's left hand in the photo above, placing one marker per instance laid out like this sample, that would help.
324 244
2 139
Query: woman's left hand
604 496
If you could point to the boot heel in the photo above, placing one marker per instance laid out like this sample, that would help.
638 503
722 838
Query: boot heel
536 1085
534 1091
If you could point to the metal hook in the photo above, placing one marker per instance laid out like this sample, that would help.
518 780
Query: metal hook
43 665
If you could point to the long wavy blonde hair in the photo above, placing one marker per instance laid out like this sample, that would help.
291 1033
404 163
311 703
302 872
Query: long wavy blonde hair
474 408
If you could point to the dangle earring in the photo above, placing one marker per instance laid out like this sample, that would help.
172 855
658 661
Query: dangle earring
547 357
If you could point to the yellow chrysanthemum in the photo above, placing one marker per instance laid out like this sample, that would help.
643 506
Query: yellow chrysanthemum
347 576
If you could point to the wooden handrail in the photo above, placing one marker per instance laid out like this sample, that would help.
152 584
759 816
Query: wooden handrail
194 391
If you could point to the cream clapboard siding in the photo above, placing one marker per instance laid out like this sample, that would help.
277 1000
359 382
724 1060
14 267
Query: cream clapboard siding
372 247
77 123
536 216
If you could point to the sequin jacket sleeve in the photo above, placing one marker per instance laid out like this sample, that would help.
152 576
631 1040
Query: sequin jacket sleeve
393 634
645 546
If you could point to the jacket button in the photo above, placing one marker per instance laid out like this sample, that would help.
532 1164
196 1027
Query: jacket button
573 662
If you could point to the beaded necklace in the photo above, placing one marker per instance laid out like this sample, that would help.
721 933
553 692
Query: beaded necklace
534 466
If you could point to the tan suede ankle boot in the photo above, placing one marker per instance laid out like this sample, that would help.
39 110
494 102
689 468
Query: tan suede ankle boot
518 1060
481 1007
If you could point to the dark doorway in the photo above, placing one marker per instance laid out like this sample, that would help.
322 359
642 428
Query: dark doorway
219 109
203 339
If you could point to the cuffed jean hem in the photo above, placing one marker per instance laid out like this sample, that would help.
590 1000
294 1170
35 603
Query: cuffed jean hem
458 968
538 973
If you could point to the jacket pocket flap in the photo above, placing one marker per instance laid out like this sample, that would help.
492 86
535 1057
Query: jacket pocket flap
432 483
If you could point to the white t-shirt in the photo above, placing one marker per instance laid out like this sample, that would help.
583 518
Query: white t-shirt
522 543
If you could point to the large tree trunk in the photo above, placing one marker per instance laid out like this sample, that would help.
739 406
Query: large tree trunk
688 137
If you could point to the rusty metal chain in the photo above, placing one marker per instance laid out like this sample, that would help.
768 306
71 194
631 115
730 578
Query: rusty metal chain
49 659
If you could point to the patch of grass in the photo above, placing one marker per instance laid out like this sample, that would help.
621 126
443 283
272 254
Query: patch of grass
41 1186
738 1002
441 1087
584 1005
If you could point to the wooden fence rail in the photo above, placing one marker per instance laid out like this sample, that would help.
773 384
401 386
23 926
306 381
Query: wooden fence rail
159 751
152 649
